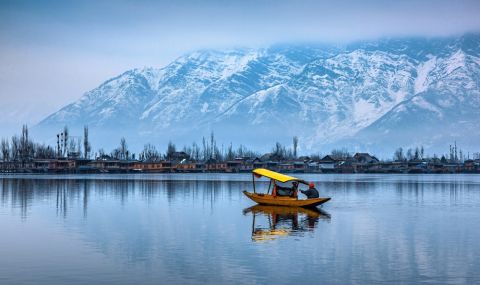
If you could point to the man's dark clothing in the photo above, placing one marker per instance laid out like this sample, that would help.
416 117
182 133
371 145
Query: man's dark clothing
311 193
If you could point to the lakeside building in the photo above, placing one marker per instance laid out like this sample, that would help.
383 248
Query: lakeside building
181 162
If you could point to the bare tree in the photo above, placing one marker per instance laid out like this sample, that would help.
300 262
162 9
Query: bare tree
417 154
65 141
409 154
230 152
195 151
101 153
204 149
123 149
150 153
116 154
279 152
340 153
15 146
295 146
86 143
79 147
25 146
240 151
58 145
170 150
398 155
456 153
44 152
212 145
5 149
71 147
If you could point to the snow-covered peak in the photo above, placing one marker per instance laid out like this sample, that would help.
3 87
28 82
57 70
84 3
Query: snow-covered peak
323 94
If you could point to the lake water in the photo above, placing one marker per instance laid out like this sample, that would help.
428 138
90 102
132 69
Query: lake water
199 228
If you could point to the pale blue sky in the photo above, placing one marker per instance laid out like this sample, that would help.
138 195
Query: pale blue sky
51 52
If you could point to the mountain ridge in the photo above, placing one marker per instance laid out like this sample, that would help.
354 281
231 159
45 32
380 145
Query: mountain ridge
329 96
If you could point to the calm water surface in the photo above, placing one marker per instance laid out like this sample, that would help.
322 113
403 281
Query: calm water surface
195 229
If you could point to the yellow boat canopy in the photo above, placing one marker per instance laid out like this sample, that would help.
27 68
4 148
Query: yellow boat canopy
275 175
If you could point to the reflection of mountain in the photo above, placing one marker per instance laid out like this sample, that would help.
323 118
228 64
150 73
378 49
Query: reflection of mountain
283 221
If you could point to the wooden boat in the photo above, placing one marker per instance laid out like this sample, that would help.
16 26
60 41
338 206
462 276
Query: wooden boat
273 198
266 199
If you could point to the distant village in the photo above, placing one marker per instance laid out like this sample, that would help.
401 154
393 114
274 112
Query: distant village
21 154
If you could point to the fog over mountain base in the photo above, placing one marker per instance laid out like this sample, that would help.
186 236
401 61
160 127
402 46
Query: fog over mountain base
367 96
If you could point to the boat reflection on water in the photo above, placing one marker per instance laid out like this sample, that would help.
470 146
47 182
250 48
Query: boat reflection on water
271 222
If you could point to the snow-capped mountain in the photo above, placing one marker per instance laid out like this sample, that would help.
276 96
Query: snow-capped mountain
367 96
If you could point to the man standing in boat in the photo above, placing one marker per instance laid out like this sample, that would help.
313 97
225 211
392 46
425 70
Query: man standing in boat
311 192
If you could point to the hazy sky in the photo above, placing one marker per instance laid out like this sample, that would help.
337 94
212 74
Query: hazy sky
51 52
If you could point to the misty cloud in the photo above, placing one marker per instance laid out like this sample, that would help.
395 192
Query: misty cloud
56 50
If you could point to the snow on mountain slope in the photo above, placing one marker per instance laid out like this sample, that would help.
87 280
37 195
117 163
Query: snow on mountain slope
446 111
332 97
187 78
355 95
117 101
421 82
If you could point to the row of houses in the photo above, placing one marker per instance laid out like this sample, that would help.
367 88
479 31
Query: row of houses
359 163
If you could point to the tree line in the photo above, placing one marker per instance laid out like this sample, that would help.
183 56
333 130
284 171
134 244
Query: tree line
455 155
22 148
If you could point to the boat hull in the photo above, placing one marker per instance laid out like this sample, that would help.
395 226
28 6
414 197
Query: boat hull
266 199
